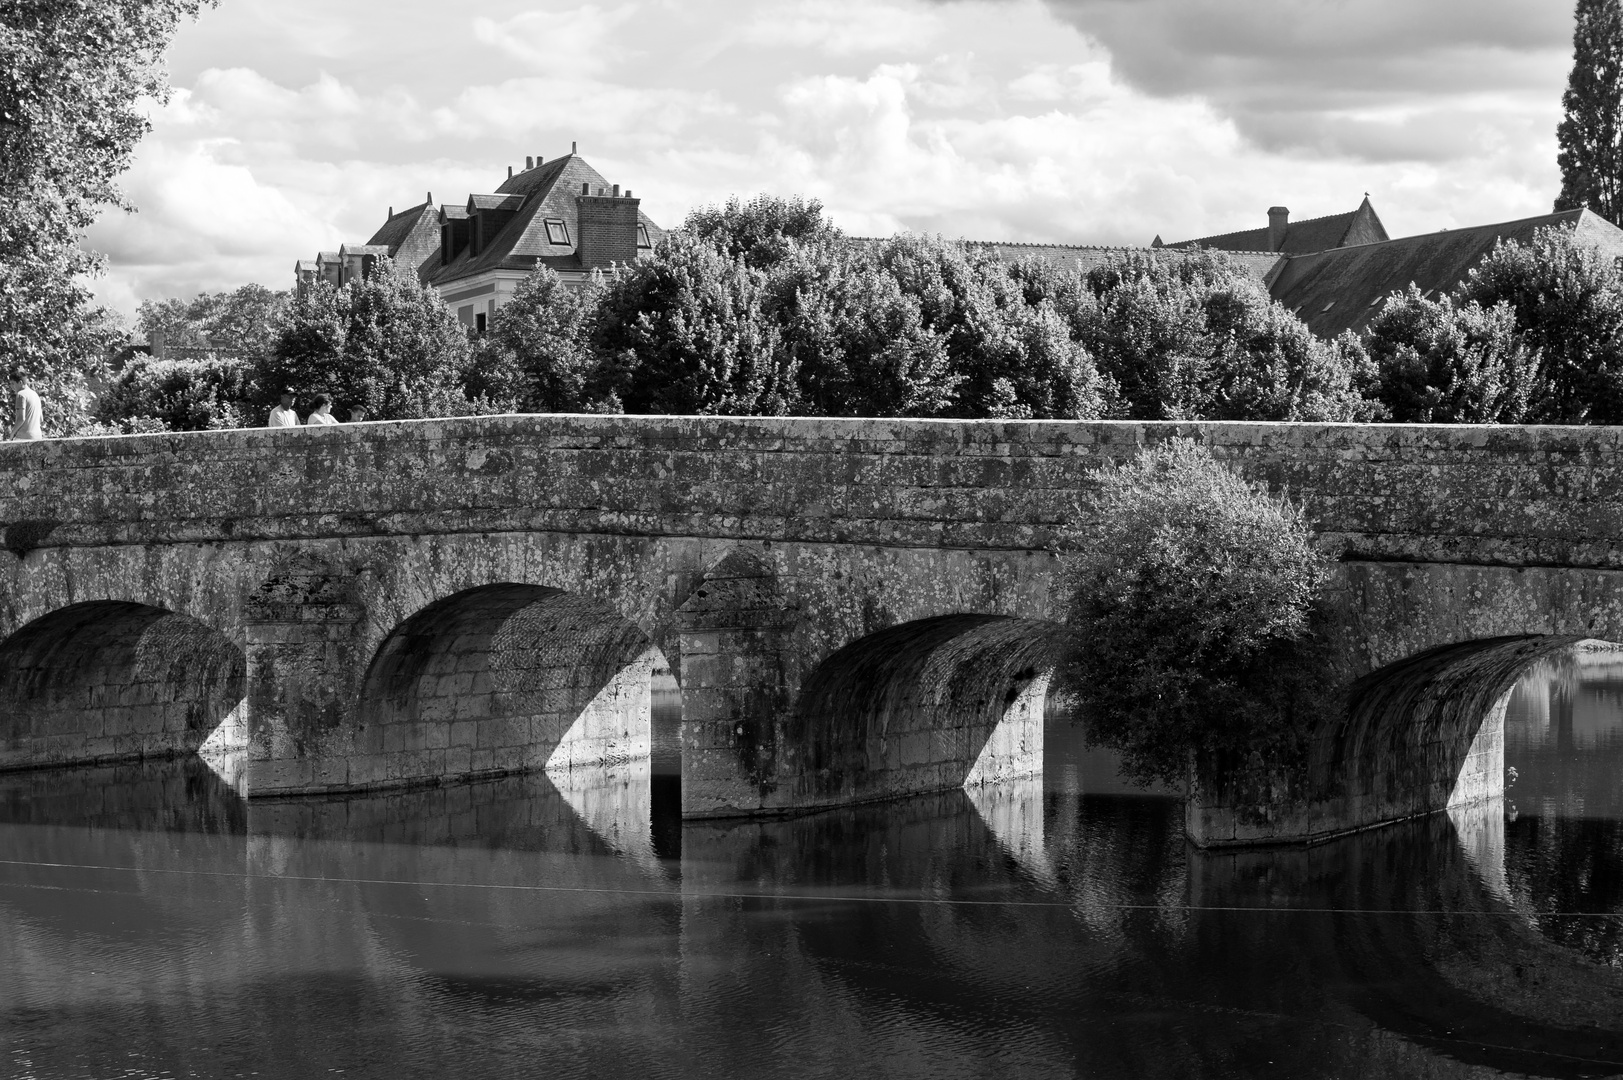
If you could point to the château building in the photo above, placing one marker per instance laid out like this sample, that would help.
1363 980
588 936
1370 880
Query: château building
562 214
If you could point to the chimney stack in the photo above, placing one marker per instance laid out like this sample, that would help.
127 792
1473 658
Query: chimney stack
574 147
430 198
529 163
510 172
538 160
1279 220
616 191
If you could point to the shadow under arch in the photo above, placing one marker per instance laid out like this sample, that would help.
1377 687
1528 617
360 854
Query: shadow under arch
1416 737
112 680
503 678
930 705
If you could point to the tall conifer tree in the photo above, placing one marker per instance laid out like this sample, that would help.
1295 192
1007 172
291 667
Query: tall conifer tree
1591 132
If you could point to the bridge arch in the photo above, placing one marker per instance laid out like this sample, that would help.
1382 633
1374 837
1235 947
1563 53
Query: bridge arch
932 704
110 680
503 678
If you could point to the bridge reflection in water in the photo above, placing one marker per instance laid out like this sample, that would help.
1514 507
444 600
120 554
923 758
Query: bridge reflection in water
152 920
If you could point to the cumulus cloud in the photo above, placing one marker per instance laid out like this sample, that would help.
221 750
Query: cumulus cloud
1378 80
298 122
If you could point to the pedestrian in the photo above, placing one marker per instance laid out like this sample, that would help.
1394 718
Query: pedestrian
320 412
283 415
26 410
357 414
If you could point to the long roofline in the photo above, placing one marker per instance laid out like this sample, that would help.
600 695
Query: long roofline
1554 214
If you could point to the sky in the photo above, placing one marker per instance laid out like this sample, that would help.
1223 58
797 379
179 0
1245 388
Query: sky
296 124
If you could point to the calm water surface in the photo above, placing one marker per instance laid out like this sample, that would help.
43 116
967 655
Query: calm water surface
152 924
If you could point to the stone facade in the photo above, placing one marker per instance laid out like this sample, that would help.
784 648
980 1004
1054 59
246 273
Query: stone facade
855 608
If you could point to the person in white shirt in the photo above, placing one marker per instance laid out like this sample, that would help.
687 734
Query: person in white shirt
320 412
283 415
26 410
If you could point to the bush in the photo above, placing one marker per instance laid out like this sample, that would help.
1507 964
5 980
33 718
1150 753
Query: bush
178 395
1193 596
538 355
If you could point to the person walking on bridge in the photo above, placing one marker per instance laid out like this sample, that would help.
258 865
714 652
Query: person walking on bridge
320 412
26 411
283 415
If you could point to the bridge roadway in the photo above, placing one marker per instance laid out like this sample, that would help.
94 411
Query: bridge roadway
855 609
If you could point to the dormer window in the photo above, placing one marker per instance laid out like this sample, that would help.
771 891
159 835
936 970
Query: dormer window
642 236
557 232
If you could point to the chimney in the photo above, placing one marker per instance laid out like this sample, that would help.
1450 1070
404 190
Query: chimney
529 163
574 147
628 193
430 198
616 191
607 229
510 172
391 211
1279 220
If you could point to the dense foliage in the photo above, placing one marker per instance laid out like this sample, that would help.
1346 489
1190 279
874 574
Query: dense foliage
1590 134
74 77
765 308
1445 363
1193 598
387 345
150 394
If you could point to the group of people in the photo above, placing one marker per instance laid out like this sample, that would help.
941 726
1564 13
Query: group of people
285 415
27 414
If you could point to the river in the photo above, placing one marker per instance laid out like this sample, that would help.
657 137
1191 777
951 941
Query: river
153 924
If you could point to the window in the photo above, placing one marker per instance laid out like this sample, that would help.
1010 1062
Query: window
464 315
479 324
642 236
557 231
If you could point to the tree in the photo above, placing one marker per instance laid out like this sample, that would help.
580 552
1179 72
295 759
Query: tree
388 345
1568 301
857 344
762 230
1590 134
1194 594
242 322
684 332
74 76
1442 363
178 395
538 355
1011 352
1191 336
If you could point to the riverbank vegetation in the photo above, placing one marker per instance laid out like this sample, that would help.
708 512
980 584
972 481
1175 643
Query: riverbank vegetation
1194 600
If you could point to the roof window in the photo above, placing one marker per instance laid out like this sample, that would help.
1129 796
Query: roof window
557 231
642 236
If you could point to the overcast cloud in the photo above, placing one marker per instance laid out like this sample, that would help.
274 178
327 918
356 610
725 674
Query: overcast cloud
297 123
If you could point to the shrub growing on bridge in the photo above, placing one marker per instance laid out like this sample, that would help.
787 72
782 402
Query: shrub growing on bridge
1194 597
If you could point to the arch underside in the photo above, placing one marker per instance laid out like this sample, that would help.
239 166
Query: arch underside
1416 737
112 680
500 679
929 705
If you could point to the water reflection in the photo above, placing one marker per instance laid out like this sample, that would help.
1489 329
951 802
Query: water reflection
153 924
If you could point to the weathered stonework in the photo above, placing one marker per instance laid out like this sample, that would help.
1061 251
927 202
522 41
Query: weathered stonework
854 608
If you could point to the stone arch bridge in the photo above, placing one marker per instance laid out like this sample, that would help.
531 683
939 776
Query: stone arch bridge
854 609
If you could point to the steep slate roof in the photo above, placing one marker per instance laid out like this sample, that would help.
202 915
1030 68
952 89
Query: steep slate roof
1360 226
545 191
1341 289
1259 264
412 236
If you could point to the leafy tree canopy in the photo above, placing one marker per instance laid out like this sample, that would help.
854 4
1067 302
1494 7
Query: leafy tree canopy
388 345
1445 363
1567 297
762 230
72 76
243 321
